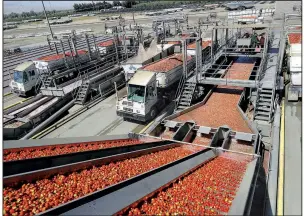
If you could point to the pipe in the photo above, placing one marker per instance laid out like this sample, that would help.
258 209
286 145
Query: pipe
272 183
48 121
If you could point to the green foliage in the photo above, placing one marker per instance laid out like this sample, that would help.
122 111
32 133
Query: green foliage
15 17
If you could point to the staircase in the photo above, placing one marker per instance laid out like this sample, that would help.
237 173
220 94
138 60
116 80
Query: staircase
41 81
82 93
186 96
264 105
47 81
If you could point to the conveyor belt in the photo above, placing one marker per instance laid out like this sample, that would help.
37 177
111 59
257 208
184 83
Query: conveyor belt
153 182
28 165
42 108
27 107
213 114
118 168
201 192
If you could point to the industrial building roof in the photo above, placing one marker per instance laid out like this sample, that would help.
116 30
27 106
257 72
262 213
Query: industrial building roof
295 38
205 43
141 78
166 64
60 56
23 66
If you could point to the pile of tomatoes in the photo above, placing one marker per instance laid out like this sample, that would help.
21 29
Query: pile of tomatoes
241 146
35 152
202 139
225 98
167 134
36 197
209 190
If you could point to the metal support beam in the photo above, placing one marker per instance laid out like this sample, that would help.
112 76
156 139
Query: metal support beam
47 19
73 41
88 45
235 26
184 52
212 43
72 55
64 54
96 48
229 82
198 56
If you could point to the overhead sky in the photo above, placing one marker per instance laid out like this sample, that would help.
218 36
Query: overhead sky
26 6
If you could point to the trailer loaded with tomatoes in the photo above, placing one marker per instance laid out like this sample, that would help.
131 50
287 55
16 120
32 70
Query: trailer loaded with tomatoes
85 175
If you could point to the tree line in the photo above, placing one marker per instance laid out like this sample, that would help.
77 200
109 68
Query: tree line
102 5
130 5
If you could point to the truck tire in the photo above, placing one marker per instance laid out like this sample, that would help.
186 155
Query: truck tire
153 113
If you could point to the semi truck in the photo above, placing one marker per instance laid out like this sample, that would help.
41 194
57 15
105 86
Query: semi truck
152 87
25 75
294 65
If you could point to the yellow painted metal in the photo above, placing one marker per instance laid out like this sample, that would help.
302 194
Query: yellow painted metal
12 105
280 199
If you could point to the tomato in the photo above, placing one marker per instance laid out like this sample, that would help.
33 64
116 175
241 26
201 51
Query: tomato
35 152
48 193
208 190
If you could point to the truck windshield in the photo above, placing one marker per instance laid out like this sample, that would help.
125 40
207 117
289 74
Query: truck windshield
136 93
18 76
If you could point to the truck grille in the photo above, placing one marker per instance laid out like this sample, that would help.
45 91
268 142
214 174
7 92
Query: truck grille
127 109
127 103
130 103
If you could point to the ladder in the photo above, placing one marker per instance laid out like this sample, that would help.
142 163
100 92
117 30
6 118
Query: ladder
43 79
82 93
83 90
185 99
265 97
264 105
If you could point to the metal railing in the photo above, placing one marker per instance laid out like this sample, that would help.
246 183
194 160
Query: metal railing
180 89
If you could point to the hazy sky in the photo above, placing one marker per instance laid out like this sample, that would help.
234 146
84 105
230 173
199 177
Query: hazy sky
26 6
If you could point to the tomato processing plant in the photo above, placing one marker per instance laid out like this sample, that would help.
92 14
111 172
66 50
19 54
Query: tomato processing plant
200 115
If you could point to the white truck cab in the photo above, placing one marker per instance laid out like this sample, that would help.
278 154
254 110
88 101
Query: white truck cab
141 100
295 70
24 79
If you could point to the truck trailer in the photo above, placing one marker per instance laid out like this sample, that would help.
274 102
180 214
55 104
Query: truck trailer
144 57
26 74
152 87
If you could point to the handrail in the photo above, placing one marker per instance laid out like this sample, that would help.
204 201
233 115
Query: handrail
261 70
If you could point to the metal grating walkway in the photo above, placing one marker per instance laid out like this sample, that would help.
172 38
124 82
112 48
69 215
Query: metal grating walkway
269 76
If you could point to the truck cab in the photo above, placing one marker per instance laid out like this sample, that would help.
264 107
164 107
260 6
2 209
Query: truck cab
141 101
295 71
24 79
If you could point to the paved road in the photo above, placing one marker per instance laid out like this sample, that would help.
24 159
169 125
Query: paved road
293 167
99 120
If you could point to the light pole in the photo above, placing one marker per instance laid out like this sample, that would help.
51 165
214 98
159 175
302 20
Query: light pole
47 19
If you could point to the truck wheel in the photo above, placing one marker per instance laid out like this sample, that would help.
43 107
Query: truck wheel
153 113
